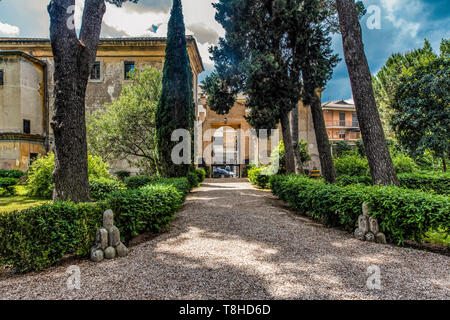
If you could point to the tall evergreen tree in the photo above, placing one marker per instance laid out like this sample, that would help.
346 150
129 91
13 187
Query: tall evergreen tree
262 55
176 107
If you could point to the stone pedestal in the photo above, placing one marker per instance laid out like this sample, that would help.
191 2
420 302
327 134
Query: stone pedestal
107 240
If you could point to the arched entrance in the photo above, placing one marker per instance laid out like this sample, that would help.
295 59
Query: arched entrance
225 152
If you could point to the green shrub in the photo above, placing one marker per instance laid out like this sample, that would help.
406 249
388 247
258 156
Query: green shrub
403 164
402 214
201 174
427 182
17 174
278 155
342 148
207 171
351 164
150 208
33 239
103 187
193 179
122 174
8 184
260 177
40 178
181 184
38 237
140 181
345 180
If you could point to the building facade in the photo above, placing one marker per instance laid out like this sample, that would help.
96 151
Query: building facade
24 125
27 67
341 121
26 103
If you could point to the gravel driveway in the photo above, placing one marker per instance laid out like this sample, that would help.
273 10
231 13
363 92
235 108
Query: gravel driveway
231 241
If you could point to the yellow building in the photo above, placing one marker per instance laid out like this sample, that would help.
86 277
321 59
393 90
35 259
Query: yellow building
23 109
28 80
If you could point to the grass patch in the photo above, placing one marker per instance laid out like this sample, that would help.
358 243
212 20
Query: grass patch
19 202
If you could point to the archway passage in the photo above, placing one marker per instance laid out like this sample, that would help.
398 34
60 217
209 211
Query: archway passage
226 153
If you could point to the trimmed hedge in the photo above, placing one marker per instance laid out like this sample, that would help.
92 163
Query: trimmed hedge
35 238
201 174
103 187
8 184
16 174
402 214
434 183
193 179
256 176
140 181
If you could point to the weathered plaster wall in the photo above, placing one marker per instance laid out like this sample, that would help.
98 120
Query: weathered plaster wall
16 154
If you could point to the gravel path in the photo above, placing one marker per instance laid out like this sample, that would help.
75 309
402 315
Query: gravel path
231 241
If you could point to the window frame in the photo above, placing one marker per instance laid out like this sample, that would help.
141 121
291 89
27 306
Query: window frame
99 64
26 123
125 64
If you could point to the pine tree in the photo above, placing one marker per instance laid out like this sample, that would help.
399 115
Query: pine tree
74 55
176 107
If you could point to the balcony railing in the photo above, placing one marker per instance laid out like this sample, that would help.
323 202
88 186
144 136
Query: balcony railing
341 124
347 136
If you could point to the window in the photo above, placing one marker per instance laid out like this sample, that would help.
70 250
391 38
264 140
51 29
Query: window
33 156
95 72
129 68
354 120
342 135
1 77
342 119
26 126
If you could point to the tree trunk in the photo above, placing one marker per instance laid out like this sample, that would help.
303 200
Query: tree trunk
287 139
298 165
380 162
444 164
73 59
323 144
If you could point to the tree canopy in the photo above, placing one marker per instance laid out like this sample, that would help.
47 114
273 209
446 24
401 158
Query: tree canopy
125 128
421 107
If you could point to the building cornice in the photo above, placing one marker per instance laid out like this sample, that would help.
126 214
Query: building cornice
29 44
12 136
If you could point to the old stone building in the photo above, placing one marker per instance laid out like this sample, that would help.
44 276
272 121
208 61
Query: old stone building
24 125
26 93
26 100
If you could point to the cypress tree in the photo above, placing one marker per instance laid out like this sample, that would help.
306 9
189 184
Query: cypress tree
176 107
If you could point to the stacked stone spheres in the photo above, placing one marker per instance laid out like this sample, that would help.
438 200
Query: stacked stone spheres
107 240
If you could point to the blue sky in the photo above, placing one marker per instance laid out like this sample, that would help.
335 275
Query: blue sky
404 25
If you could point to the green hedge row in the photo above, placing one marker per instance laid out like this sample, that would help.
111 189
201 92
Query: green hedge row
35 238
402 214
259 177
17 174
8 184
435 183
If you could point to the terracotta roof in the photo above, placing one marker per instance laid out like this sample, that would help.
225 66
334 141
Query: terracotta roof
338 104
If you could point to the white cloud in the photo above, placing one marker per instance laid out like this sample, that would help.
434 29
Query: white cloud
393 7
9 30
